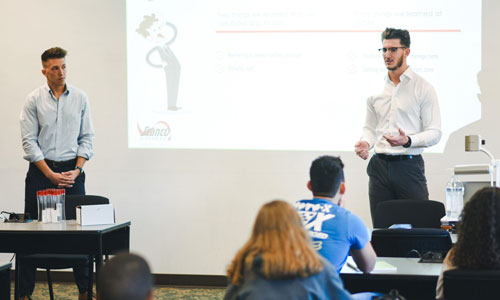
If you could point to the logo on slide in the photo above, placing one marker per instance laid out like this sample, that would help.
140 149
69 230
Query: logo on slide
159 131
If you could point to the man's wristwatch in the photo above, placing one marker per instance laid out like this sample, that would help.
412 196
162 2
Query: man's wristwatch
79 168
408 144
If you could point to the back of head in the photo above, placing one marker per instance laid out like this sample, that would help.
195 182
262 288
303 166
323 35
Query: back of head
282 244
402 34
55 52
478 243
326 174
125 277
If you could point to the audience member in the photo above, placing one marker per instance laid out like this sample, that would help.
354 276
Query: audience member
478 241
336 232
125 277
278 262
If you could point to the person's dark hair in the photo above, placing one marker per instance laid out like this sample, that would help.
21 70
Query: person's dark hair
478 243
125 277
55 52
326 174
402 34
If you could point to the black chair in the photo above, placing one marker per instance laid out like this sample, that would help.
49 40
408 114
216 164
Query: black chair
410 242
418 213
464 284
60 261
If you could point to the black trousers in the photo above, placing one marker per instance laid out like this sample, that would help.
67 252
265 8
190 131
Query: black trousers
35 180
396 179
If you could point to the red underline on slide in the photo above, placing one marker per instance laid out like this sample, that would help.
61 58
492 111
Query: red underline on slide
330 31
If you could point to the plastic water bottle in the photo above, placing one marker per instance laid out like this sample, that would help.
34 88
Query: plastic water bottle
454 198
60 205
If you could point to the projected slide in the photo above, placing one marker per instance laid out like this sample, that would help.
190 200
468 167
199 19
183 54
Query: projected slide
286 75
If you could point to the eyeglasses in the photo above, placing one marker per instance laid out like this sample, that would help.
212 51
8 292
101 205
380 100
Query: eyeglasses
392 49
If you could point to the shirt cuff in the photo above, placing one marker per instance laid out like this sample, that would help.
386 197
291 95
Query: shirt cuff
33 158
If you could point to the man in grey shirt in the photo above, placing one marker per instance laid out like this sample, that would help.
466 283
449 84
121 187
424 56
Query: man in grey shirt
57 137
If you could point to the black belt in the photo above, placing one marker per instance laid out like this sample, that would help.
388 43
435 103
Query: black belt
57 164
396 157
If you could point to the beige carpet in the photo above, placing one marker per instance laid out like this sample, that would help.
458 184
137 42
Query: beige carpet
69 291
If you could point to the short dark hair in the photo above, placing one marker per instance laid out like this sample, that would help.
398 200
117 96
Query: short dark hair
55 52
125 277
326 174
402 34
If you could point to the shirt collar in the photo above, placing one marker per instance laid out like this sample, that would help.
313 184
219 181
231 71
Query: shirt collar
406 74
47 88
324 200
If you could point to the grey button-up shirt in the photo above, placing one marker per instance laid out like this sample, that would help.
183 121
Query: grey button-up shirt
58 130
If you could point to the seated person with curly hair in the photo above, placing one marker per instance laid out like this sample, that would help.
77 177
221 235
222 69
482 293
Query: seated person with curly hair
478 242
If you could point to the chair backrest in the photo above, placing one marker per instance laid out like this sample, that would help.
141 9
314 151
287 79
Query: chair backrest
418 213
407 242
461 284
72 201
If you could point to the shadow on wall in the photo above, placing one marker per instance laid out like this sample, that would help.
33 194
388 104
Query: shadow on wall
490 106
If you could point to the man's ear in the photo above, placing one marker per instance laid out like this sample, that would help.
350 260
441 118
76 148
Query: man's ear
342 188
309 185
43 71
407 51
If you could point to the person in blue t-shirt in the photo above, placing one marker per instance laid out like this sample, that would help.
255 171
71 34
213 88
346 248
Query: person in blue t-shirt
336 232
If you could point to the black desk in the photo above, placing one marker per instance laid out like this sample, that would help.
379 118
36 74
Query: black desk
5 281
64 238
412 279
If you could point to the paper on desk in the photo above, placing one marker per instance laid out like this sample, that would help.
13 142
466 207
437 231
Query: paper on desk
380 265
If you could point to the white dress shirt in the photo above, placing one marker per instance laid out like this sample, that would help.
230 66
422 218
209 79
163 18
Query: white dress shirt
413 106
58 130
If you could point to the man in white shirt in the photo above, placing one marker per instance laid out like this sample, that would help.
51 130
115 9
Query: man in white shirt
400 122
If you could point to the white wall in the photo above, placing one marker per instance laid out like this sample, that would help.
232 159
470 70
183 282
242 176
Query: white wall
190 209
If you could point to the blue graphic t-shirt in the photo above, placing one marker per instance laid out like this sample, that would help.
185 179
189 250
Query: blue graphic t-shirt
334 229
